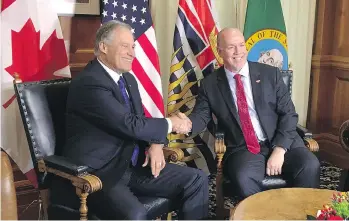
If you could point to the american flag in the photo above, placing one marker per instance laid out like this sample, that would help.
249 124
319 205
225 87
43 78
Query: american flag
145 66
194 57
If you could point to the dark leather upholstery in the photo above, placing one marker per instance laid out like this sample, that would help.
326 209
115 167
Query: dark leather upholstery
287 76
271 182
42 107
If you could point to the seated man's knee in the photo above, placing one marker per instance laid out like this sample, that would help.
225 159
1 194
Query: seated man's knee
197 177
202 177
310 167
247 182
308 164
306 170
312 164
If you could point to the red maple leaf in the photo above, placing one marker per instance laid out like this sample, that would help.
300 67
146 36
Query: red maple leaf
31 63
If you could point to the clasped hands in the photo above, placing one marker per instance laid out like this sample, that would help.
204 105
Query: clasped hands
181 124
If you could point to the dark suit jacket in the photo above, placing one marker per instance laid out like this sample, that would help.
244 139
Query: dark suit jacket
100 128
272 100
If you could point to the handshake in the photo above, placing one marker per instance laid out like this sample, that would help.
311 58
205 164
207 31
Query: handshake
181 124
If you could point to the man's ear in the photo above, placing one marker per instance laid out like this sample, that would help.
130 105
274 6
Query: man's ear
103 47
219 50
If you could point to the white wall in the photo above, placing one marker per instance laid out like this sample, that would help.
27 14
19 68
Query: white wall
299 17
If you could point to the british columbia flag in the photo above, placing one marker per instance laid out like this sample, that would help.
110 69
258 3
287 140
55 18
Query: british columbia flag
194 57
145 66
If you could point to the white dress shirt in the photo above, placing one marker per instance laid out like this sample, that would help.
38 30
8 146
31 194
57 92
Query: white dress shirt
246 81
116 76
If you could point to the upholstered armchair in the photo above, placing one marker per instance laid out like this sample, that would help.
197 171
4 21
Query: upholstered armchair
223 187
42 108
344 140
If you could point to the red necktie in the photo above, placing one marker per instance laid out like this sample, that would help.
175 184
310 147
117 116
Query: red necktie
245 119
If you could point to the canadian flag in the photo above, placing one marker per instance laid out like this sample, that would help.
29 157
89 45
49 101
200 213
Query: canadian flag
32 46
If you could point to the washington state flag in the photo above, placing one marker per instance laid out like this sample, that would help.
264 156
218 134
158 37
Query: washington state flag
265 33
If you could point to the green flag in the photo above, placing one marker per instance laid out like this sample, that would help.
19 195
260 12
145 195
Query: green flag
265 33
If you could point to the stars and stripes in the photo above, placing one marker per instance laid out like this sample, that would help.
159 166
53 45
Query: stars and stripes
146 66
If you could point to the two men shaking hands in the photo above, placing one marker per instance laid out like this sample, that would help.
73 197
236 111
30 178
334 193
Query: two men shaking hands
181 124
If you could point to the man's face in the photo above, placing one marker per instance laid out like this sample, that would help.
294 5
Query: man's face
232 49
119 51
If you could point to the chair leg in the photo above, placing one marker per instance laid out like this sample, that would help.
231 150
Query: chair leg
162 217
219 192
344 181
169 216
43 204
83 203
220 149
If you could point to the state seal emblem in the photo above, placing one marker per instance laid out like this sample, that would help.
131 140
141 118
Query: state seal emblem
268 46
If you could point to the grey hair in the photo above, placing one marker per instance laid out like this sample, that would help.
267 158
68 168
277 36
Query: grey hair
105 33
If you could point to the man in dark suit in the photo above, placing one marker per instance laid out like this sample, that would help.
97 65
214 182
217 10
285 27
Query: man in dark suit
254 109
107 131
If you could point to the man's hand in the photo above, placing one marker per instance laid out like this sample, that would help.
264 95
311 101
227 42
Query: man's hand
275 161
180 123
157 159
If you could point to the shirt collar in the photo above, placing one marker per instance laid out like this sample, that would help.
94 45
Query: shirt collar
115 75
244 71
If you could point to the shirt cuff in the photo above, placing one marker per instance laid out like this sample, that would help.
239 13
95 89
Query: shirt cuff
169 123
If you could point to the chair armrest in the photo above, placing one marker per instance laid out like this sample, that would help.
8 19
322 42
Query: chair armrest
304 132
84 182
173 154
307 137
60 166
65 165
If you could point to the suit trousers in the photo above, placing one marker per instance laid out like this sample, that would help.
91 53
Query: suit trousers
188 187
246 171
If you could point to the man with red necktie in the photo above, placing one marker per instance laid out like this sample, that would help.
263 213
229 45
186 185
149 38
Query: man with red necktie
255 111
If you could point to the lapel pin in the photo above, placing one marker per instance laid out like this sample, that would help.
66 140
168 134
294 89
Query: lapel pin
258 81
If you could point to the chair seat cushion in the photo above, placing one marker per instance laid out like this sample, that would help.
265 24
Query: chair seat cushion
155 206
269 182
274 182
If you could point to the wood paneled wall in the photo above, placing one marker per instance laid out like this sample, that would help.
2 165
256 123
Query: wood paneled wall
80 32
329 96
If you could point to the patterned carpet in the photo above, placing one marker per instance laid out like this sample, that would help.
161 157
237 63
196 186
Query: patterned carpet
329 179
